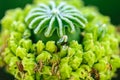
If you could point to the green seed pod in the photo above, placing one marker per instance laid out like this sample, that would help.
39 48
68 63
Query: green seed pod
52 18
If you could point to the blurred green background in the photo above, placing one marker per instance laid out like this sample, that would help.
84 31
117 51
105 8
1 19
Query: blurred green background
106 7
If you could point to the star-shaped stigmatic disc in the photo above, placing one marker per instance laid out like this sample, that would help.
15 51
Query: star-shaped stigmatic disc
51 17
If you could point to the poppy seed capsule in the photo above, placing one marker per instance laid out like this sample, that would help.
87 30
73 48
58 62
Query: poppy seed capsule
51 20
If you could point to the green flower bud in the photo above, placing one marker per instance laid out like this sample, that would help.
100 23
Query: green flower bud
114 43
21 52
26 34
51 47
8 55
63 51
88 42
55 59
109 74
107 48
100 66
115 62
44 56
13 46
79 53
74 44
27 9
28 64
88 45
46 70
83 71
19 26
86 68
74 76
13 61
102 76
25 44
65 60
99 50
32 56
75 62
65 71
89 58
88 36
71 52
64 68
13 65
16 35
7 21
16 74
19 15
102 31
40 46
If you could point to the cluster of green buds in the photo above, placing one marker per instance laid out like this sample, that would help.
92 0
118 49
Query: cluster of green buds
58 40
